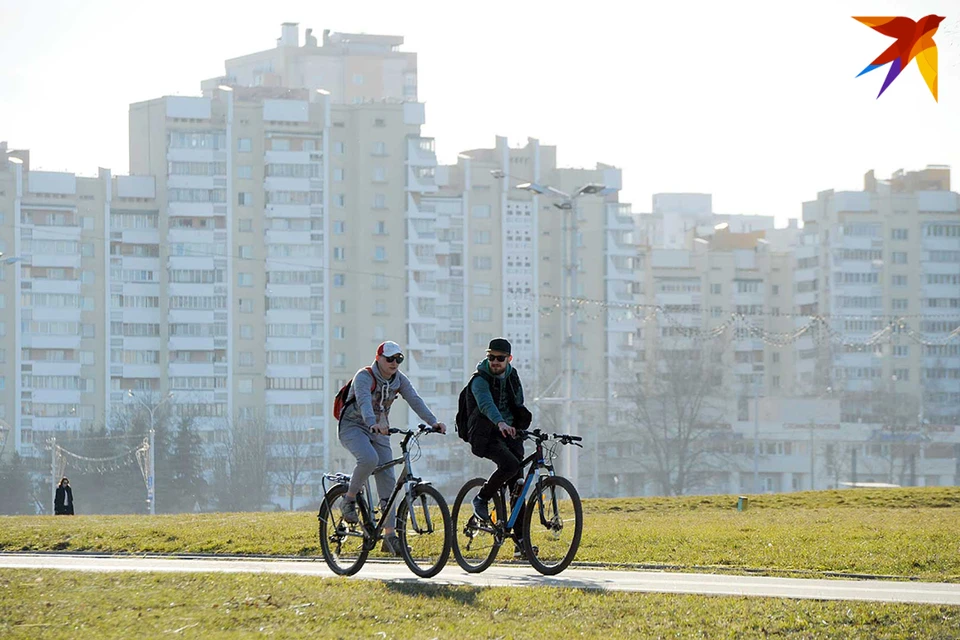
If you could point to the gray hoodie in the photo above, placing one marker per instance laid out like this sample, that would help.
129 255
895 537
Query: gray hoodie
371 406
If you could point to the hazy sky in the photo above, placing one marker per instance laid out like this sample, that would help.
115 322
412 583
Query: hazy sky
753 101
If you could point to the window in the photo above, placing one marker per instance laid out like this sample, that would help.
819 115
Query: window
716 288
245 385
481 237
775 289
380 281
481 211
899 304
482 289
358 78
245 172
245 224
379 174
244 144
899 281
482 263
87 276
339 148
340 199
86 250
246 305
380 254
339 254
380 228
339 332
339 227
340 306
901 375
898 234
901 351
483 314
244 279
245 251
246 358
379 201
898 257
87 222
338 175
776 357
339 279
244 199
86 357
379 122
246 332
379 148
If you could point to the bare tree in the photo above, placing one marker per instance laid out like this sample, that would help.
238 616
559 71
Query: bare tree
295 454
247 485
678 408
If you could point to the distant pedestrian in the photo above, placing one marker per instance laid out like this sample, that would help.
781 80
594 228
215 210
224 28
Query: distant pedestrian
63 503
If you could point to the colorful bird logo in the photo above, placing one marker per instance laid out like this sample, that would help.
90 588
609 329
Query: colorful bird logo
914 40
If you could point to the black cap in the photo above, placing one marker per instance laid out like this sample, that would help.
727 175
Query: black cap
499 344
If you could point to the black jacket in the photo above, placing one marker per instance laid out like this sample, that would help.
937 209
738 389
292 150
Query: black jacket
59 503
481 429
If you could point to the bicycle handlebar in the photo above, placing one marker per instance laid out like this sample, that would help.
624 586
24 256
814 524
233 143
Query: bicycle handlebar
562 438
421 428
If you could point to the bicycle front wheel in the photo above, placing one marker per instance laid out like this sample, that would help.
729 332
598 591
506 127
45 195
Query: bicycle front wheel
423 527
474 543
553 525
341 542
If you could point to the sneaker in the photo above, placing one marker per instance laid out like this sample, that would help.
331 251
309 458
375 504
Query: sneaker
391 544
480 509
520 554
349 511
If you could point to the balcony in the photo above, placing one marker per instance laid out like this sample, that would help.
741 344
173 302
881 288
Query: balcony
195 209
190 343
420 152
421 181
191 182
42 285
619 217
189 369
54 260
279 183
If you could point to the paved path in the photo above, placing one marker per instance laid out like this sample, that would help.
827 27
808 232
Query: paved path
519 576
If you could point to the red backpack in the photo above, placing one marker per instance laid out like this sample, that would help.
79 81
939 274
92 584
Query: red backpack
340 402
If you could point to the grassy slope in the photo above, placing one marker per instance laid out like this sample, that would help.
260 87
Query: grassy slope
50 604
902 532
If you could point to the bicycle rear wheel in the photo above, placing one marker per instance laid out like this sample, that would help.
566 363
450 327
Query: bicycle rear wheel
553 525
474 544
424 536
341 542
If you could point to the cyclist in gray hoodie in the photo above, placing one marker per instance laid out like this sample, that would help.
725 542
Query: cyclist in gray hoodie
364 429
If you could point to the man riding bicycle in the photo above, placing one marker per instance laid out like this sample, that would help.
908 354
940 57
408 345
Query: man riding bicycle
365 426
495 410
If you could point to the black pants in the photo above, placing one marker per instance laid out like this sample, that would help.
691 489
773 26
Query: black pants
507 453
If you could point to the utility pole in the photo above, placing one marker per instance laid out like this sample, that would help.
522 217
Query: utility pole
151 476
53 475
756 437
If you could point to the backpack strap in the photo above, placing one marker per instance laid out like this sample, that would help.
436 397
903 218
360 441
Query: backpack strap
373 388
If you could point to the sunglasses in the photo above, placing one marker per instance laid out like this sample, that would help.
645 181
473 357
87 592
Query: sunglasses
493 358
397 358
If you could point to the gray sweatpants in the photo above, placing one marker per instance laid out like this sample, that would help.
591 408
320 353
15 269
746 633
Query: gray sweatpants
370 449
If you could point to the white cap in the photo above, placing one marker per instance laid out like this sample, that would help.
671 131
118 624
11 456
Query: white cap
389 348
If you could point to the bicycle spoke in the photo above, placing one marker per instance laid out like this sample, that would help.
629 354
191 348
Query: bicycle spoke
424 531
555 525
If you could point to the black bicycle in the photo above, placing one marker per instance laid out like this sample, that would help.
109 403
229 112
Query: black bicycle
552 522
423 519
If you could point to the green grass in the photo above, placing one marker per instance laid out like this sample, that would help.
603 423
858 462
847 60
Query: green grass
51 604
898 532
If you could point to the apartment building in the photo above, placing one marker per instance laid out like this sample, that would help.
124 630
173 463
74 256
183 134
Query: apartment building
353 67
82 298
503 260
883 264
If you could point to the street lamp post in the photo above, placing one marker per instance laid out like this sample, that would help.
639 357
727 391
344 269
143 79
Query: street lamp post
151 474
568 205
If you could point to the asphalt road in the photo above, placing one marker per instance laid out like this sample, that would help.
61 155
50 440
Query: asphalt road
519 576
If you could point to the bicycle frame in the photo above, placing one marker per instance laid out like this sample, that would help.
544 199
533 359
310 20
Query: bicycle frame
538 463
372 528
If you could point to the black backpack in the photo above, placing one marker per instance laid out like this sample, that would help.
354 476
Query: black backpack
465 405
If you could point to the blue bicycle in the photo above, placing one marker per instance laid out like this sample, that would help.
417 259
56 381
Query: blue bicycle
552 522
